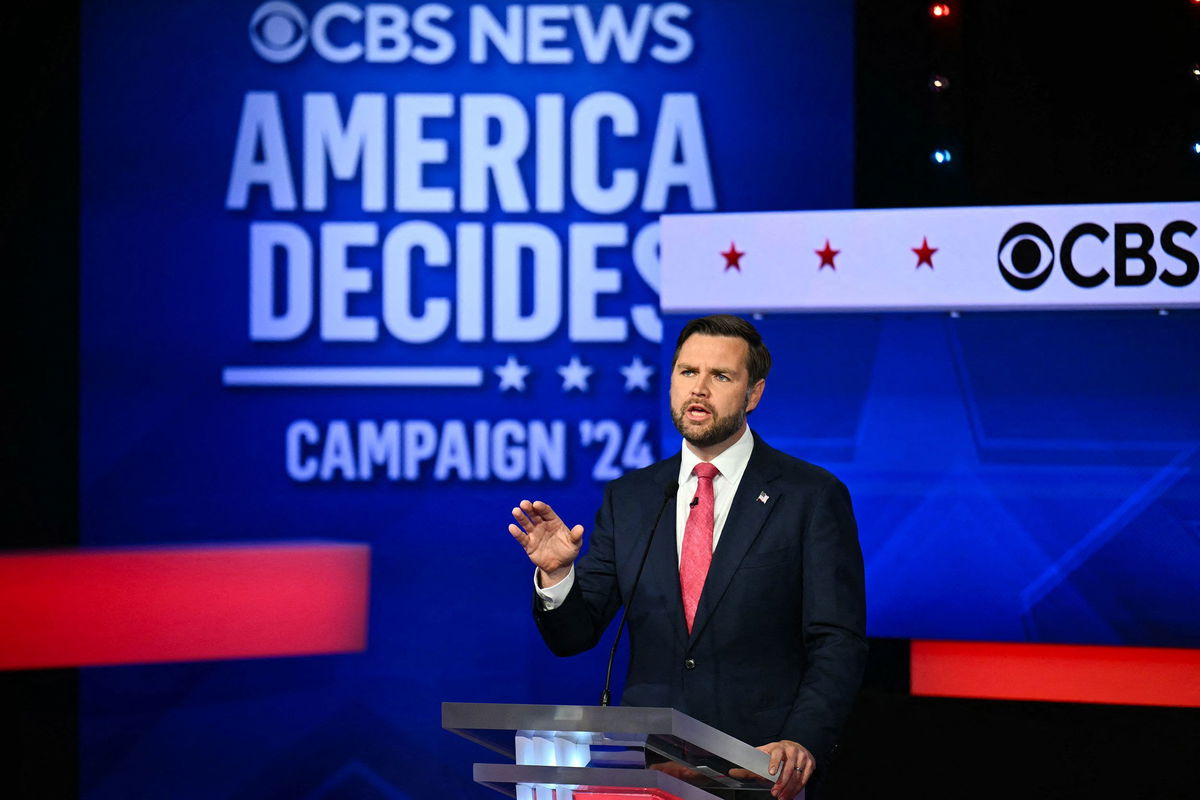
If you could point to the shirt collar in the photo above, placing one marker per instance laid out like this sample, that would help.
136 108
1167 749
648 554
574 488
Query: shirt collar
731 463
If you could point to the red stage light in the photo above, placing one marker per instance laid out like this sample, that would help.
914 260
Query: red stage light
83 608
1152 676
942 10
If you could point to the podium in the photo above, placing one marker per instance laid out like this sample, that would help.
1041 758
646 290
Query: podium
606 753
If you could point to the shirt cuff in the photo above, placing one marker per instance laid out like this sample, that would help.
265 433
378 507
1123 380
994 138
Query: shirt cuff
553 596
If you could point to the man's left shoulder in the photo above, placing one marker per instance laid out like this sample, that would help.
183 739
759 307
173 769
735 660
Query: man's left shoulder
796 470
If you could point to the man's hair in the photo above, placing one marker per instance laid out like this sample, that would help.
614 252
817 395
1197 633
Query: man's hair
758 358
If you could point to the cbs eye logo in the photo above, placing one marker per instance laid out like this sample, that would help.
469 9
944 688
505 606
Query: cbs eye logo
278 31
1026 256
1138 255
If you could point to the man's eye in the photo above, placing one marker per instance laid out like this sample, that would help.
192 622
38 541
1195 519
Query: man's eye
722 377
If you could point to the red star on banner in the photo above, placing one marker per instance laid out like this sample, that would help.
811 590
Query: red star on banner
827 257
924 253
733 258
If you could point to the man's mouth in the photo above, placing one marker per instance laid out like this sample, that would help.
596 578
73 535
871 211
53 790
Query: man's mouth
697 412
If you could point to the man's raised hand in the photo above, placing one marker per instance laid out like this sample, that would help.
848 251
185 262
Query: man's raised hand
547 540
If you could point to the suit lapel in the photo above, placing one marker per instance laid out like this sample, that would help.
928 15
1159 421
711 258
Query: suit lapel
746 517
662 565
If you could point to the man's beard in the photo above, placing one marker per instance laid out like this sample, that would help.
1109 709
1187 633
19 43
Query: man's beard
719 428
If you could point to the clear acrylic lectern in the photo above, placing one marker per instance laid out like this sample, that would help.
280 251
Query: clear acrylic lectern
606 753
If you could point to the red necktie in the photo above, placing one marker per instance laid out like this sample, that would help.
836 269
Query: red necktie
697 542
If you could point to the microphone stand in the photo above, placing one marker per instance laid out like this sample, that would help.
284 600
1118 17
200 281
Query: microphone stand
668 495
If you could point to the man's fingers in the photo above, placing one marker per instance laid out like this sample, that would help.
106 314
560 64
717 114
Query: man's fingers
799 769
544 512
518 534
791 764
531 509
795 769
521 517
788 784
531 516
539 513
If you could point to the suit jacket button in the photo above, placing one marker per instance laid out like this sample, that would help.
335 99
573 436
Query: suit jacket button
689 664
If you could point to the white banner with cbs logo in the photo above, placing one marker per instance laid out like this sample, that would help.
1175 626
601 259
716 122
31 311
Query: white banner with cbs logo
1141 255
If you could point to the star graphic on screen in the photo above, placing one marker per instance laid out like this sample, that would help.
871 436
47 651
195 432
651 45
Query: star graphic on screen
637 375
827 257
924 253
1026 570
575 375
733 259
512 374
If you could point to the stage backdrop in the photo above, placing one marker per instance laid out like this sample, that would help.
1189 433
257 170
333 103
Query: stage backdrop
1018 475
374 273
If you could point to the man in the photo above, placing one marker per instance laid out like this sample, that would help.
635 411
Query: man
750 618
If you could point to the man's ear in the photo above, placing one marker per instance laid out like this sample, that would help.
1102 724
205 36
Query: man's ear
755 394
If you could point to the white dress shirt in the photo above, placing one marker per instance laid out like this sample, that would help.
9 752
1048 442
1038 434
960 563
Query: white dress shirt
731 464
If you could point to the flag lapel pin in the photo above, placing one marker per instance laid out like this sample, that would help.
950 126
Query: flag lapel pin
762 497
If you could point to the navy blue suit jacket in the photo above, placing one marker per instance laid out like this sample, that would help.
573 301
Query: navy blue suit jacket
778 646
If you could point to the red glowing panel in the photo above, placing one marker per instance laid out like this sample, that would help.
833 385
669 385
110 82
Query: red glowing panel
1149 676
621 793
87 608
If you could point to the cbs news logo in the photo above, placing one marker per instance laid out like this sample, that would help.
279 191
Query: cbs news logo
1139 255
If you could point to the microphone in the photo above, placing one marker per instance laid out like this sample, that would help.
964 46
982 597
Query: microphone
668 495
695 502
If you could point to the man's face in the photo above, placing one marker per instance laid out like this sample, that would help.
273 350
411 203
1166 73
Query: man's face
711 392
